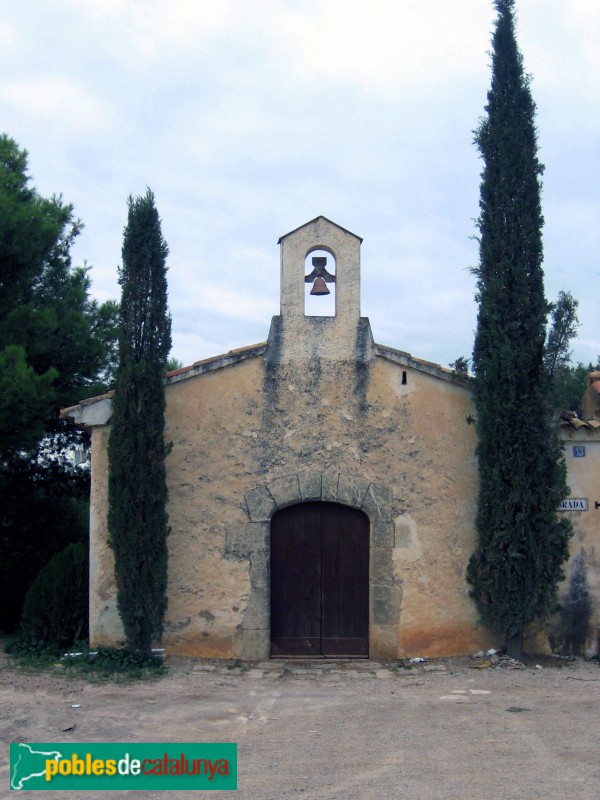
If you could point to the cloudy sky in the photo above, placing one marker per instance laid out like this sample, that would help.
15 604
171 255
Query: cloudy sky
248 118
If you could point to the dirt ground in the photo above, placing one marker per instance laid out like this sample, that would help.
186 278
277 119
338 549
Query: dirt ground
337 730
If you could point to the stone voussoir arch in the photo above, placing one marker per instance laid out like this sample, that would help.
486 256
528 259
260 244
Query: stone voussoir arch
374 499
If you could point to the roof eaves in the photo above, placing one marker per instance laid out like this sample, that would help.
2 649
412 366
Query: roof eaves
579 424
216 362
176 375
427 367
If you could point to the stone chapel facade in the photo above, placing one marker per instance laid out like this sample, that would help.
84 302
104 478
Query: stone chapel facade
322 488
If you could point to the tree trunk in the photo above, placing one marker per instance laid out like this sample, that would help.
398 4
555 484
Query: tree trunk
514 646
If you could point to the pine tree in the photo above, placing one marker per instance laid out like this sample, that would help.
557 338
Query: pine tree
562 331
54 341
568 387
55 348
522 542
137 515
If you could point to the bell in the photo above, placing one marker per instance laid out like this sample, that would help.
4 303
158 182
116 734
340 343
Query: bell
319 286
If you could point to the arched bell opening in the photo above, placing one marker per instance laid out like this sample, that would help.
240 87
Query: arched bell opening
319 282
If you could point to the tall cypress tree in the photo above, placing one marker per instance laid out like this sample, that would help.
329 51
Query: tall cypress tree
137 516
522 541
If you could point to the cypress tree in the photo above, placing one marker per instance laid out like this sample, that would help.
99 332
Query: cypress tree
137 516
522 541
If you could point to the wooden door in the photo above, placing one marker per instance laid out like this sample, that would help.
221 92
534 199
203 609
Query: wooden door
319 581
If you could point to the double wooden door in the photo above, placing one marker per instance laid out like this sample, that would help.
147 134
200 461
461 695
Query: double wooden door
320 581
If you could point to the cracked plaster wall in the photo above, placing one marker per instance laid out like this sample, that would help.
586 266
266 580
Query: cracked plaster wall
261 423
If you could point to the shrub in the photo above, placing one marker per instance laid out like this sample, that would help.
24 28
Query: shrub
116 664
55 611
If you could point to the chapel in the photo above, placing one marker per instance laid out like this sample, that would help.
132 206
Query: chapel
322 487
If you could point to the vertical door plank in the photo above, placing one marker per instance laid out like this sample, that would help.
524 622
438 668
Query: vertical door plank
345 581
296 580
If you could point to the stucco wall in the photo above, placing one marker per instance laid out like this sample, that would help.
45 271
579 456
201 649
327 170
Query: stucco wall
584 482
105 623
254 424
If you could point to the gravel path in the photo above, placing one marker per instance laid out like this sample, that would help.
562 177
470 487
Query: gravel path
338 731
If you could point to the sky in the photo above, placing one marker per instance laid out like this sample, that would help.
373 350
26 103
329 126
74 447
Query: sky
248 118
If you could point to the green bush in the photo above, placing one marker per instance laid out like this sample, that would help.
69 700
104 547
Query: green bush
115 664
55 612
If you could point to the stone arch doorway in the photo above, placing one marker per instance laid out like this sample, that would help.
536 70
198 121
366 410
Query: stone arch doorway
319 581
252 541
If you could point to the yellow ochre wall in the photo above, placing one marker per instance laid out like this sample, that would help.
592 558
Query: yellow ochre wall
246 426
318 413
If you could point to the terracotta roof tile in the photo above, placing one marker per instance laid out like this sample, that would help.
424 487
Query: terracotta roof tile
588 424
